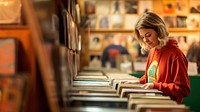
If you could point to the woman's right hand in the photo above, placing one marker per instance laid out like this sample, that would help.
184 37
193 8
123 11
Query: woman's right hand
130 82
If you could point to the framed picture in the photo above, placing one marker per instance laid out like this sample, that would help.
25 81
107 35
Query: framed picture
10 12
103 7
131 6
13 92
117 7
169 21
181 21
130 21
92 21
104 22
181 7
89 7
95 60
95 42
117 21
145 5
168 6
107 39
182 42
9 51
192 21
194 6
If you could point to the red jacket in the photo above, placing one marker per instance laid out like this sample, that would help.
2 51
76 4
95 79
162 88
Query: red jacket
167 69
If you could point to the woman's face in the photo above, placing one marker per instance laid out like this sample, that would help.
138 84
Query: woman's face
149 36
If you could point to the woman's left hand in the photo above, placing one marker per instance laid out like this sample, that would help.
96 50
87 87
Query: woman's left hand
148 86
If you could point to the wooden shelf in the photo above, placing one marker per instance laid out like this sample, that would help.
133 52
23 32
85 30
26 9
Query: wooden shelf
131 31
13 27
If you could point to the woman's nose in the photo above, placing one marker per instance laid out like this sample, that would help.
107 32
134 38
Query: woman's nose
145 39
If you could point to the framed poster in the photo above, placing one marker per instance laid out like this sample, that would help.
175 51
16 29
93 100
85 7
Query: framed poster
193 21
117 21
95 42
194 6
103 6
130 21
95 60
104 22
168 6
131 6
89 7
117 7
145 5
181 7
181 21
169 21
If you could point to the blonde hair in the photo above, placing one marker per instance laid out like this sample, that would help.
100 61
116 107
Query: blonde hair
151 20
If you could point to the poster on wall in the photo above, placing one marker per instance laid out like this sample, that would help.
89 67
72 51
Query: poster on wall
181 21
192 21
92 21
168 6
89 7
144 6
95 42
103 7
103 21
131 7
117 7
95 60
181 7
117 21
130 22
182 42
194 6
169 21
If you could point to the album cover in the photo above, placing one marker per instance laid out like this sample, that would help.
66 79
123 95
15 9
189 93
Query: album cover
181 21
13 92
145 5
103 7
95 60
169 21
104 22
192 21
9 56
194 6
107 39
92 21
95 42
10 12
130 21
181 7
117 7
182 42
168 6
89 7
131 6
117 21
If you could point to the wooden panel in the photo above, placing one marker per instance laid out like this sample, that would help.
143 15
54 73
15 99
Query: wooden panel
26 57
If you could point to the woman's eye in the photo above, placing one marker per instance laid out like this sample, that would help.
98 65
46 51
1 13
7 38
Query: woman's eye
148 35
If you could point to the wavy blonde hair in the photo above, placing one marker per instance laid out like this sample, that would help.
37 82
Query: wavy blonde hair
151 20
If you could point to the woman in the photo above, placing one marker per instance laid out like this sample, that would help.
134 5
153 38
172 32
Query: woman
166 68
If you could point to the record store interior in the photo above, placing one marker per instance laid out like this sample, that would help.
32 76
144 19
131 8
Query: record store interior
99 55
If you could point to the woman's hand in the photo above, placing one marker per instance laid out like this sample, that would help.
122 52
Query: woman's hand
130 82
148 86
